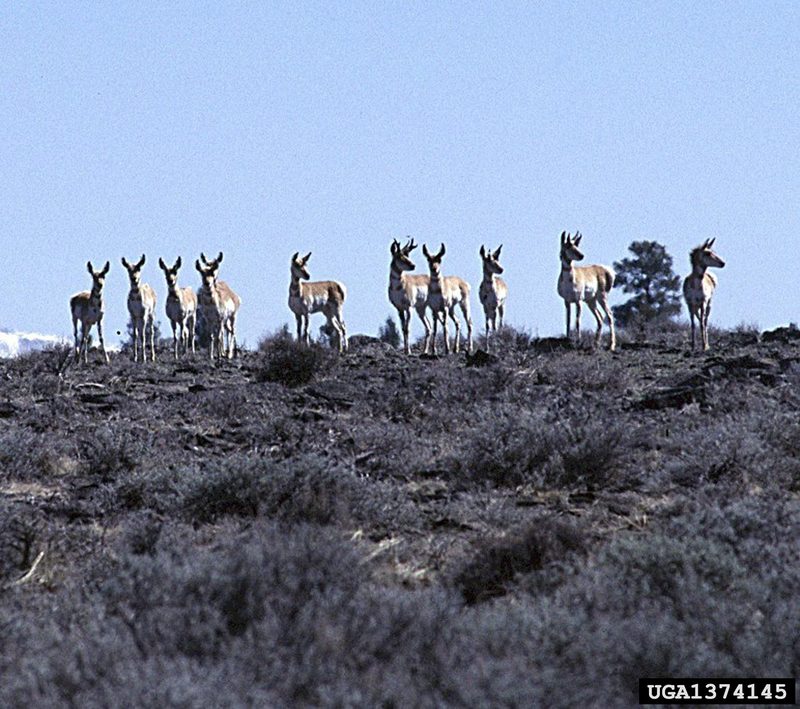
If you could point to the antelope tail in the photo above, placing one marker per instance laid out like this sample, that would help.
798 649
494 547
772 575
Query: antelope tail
610 279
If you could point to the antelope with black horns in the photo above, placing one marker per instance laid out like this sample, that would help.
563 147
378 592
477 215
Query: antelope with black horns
310 297
142 308
493 290
219 306
445 293
699 287
88 309
585 284
407 291
181 308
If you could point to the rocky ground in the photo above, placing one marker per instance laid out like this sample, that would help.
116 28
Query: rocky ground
541 526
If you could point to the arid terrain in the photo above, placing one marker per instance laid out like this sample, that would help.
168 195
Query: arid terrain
537 528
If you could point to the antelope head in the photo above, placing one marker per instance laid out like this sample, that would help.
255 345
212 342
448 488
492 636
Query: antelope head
491 262
98 277
298 266
704 255
569 247
134 270
171 274
400 254
434 260
208 272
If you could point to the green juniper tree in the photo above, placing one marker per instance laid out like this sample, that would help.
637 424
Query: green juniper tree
389 333
649 277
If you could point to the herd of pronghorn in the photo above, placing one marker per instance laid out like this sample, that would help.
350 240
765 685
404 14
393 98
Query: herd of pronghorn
218 305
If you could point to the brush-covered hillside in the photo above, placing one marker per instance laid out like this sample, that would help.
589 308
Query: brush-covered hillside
539 528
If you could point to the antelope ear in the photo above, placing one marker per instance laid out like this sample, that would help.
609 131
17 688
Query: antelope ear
483 251
578 237
89 267
441 251
563 237
394 247
219 258
177 264
162 265
295 255
425 251
497 253
141 262
198 266
306 257
105 268
711 243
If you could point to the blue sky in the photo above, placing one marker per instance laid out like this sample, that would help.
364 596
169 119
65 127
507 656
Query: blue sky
261 129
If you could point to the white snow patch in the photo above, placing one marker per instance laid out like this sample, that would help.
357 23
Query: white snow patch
13 344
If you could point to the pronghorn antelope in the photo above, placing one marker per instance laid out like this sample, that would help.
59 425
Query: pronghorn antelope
444 294
590 284
87 306
218 305
408 291
181 308
318 296
142 307
699 285
493 290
